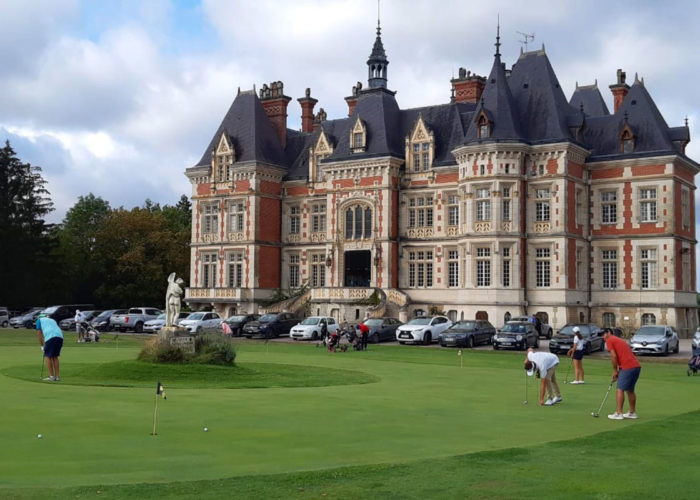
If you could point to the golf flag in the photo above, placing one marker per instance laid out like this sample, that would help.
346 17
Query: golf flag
226 329
160 390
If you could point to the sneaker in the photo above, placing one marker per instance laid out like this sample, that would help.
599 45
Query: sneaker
56 379
575 382
581 382
616 416
557 399
48 379
549 402
630 414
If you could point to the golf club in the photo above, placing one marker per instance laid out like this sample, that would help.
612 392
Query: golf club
42 364
566 381
525 401
596 414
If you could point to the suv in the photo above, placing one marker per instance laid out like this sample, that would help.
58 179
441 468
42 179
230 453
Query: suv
423 329
59 313
655 339
467 333
545 329
4 317
271 325
564 339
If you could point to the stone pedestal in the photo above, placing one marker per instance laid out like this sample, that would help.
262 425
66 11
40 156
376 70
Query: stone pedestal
178 336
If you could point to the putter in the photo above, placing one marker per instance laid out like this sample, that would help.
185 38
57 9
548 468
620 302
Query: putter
568 371
596 414
525 401
42 366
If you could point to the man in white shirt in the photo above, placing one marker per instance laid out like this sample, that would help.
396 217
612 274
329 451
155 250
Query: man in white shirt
79 318
544 364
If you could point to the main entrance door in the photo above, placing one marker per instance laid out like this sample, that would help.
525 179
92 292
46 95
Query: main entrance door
357 268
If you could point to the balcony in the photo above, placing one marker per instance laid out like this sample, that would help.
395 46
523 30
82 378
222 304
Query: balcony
217 294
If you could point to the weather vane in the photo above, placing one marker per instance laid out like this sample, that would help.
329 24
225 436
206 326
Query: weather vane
527 38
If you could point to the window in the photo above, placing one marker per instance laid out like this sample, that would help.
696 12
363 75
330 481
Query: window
294 270
235 269
421 156
420 212
627 140
452 268
209 270
579 267
540 169
609 259
647 205
318 218
211 218
294 219
685 208
578 198
357 140
358 222
420 269
483 204
648 264
506 168
452 210
236 215
506 214
648 319
506 267
542 197
608 320
506 317
608 206
483 127
542 267
483 266
318 270
482 169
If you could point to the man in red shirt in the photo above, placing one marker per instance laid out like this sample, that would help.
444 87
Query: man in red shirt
626 370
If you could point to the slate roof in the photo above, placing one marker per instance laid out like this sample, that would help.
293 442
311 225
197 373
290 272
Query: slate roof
589 97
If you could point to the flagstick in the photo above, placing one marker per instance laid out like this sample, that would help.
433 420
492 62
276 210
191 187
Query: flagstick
155 412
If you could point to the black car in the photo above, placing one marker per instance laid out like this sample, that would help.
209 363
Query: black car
59 313
467 333
271 325
238 321
564 339
381 329
516 335
101 322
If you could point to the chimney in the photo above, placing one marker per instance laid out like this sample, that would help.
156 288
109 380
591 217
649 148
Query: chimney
468 87
320 117
275 104
620 89
352 100
307 111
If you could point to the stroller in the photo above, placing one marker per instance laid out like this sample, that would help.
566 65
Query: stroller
334 342
694 362
88 333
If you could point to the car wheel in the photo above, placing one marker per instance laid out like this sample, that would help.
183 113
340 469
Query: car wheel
495 347
6 324
199 330
138 327
549 334
374 338
122 330
666 350
470 342
678 347
427 338
401 343
314 336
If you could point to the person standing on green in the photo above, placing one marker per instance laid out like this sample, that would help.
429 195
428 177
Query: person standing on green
51 341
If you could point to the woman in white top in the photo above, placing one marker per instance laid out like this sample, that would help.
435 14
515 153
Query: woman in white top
576 354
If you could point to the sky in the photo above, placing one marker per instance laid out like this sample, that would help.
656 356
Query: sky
118 97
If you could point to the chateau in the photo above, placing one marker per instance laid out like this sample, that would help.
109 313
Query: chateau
509 199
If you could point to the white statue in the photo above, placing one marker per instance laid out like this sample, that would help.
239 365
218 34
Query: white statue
172 300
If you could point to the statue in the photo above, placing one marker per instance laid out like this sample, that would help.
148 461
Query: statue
172 300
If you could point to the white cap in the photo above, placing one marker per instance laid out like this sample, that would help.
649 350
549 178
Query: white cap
531 371
577 330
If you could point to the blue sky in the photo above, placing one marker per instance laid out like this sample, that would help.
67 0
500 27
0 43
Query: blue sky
119 97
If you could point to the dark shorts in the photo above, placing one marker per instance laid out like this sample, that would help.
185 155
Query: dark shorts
52 348
627 379
578 354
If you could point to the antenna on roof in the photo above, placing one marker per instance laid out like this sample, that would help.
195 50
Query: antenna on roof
686 121
526 38
378 16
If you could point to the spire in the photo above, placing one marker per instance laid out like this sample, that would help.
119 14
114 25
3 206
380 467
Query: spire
498 37
377 62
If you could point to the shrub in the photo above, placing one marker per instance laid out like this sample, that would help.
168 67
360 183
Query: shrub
210 349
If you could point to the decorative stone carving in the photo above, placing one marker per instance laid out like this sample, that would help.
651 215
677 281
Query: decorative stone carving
482 227
210 237
420 232
318 237
507 226
452 231
294 238
237 236
542 227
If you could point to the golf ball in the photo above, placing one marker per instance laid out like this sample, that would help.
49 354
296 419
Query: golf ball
39 436
206 429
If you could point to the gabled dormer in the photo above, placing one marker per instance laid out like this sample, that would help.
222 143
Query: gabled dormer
222 159
420 147
626 139
484 125
358 136
322 149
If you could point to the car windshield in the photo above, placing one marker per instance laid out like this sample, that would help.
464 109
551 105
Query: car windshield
267 318
104 315
195 316
374 322
569 330
419 321
313 320
464 325
514 327
236 318
650 331
50 310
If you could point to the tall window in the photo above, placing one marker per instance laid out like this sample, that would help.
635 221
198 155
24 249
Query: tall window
420 269
236 211
506 266
648 319
542 198
209 261
647 205
578 198
293 270
420 212
608 205
452 268
685 208
357 140
648 264
627 142
211 218
579 267
235 269
294 219
483 127
318 218
358 222
421 156
542 267
483 204
609 260
318 270
452 210
608 320
483 266
506 214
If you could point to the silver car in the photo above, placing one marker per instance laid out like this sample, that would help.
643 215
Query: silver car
655 339
199 322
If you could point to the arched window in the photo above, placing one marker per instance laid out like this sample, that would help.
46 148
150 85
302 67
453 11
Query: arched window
648 319
358 222
627 141
608 320
506 317
483 127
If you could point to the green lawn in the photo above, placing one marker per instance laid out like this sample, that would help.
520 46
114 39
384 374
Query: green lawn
295 421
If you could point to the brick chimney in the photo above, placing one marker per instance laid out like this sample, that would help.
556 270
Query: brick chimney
307 111
275 103
352 99
620 89
468 87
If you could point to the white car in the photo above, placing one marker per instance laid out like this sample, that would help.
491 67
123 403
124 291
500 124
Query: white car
424 329
655 339
154 325
200 322
310 328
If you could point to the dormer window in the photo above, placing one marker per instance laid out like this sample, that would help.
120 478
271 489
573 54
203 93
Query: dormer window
483 126
223 158
627 140
420 148
358 137
320 151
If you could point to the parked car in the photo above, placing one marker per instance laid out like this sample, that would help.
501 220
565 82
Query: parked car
59 313
423 329
310 328
154 325
200 322
271 325
134 318
381 329
545 329
27 319
655 339
102 322
516 335
564 339
68 324
696 340
238 321
4 317
467 333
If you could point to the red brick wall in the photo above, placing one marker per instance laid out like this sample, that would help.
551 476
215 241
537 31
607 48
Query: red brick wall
648 170
298 191
369 181
575 170
242 186
552 166
269 220
268 267
447 178
203 189
394 232
610 173
572 227
394 265
268 187
343 183
628 258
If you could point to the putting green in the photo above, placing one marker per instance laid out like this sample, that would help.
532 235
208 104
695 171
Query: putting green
421 405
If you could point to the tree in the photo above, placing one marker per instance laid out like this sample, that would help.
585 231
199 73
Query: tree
25 242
